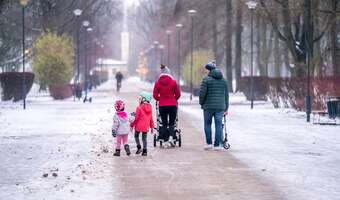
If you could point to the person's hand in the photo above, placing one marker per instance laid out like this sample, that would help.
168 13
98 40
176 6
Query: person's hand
225 113
131 128
114 134
152 131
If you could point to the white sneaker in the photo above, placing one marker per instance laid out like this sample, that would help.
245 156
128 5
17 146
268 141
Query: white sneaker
166 145
219 148
208 147
171 143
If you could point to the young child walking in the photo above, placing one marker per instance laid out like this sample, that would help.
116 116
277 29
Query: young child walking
121 128
143 121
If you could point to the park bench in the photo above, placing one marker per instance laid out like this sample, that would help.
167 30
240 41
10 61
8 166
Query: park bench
333 112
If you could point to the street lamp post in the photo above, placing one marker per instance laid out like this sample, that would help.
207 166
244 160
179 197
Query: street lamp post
179 27
191 14
168 34
309 41
88 63
77 13
161 49
155 46
23 3
252 5
86 24
101 62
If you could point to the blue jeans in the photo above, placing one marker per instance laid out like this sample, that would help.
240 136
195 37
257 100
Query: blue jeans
217 115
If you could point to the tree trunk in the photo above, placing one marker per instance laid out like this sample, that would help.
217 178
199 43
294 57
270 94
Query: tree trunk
258 44
286 59
214 29
277 56
317 61
333 32
265 53
228 44
238 44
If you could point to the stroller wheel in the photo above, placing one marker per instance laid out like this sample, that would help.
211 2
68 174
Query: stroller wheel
161 143
226 145
154 140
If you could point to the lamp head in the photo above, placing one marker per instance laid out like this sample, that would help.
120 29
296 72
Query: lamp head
77 12
155 43
89 29
179 26
192 12
86 23
24 2
168 32
251 4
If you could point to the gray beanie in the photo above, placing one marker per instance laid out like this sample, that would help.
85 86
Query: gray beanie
211 65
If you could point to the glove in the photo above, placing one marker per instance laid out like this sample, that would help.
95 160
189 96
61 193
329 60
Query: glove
114 134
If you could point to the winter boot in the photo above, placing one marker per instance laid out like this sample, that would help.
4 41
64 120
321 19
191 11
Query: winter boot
139 149
144 153
117 153
127 149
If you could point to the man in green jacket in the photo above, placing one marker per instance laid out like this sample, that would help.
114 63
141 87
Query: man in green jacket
214 100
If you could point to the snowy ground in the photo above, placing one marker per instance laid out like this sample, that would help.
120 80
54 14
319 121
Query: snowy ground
46 151
55 139
302 159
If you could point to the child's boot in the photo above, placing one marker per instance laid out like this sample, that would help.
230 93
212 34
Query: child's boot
117 153
127 149
139 149
144 153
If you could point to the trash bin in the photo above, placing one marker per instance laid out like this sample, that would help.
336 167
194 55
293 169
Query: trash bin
333 108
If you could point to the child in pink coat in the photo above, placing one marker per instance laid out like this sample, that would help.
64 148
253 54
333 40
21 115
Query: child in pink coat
143 121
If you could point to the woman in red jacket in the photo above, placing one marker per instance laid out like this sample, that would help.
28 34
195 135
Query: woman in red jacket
166 91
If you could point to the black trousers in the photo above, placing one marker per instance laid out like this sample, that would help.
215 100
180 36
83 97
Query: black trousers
144 139
168 117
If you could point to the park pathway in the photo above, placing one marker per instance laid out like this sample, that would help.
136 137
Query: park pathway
63 150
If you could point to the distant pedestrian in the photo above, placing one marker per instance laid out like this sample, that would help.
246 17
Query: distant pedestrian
121 128
214 100
119 77
167 92
143 121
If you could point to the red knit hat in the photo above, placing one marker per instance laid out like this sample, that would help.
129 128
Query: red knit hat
119 105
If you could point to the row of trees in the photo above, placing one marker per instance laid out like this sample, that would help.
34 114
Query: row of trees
284 31
57 17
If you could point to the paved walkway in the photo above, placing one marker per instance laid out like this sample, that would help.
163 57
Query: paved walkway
188 172
78 149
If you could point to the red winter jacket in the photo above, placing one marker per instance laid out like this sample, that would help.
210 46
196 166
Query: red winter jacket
143 119
166 91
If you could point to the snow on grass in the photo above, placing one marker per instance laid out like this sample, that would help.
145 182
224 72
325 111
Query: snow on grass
53 136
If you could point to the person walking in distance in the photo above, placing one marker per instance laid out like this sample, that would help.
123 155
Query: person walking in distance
119 78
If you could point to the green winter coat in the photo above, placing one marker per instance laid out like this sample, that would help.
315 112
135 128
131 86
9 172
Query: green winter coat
214 93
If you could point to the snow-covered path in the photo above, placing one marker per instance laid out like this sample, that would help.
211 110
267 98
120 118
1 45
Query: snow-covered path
301 159
275 154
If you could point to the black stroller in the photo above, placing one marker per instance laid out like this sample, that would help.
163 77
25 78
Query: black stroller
177 140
